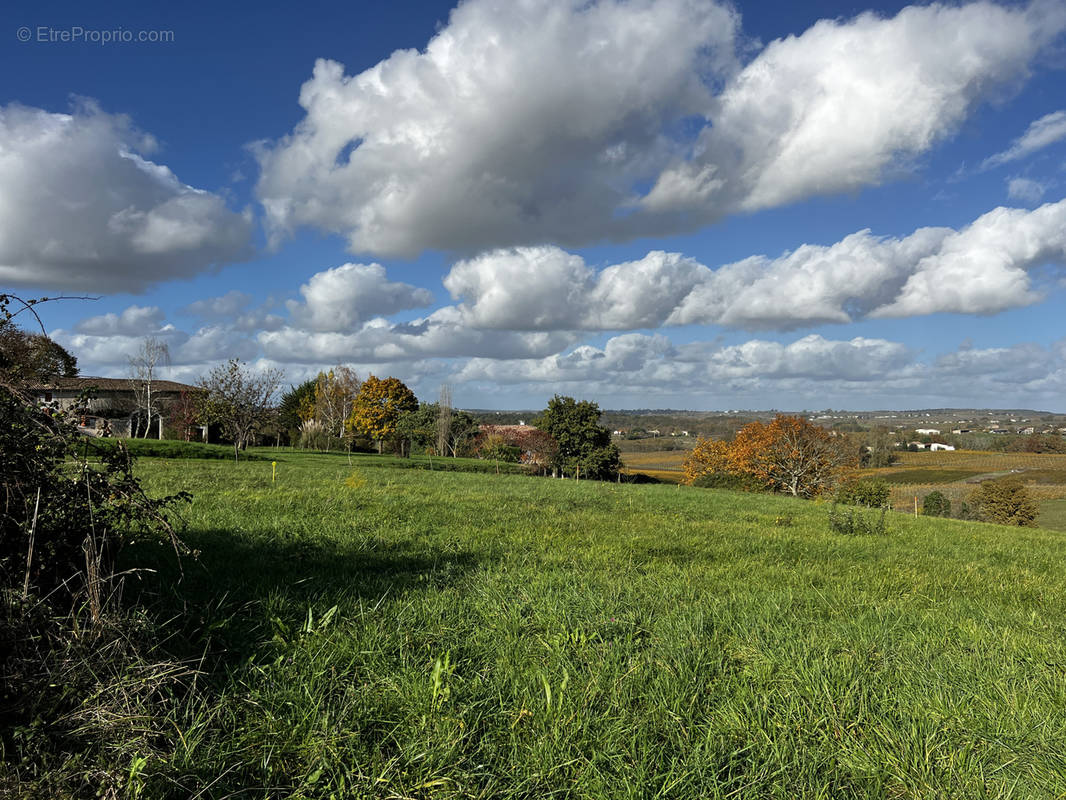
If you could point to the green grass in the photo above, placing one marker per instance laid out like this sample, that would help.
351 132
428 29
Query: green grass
399 633
169 448
1053 515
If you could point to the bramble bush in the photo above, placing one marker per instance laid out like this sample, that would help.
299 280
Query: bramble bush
1005 502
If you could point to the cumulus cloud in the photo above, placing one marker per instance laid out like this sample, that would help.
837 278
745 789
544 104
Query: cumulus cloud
82 209
133 321
543 121
982 268
233 310
339 299
1041 133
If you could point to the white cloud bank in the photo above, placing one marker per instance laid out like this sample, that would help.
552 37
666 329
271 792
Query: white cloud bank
982 268
82 209
532 121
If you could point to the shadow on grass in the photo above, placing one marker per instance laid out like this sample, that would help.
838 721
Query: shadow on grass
231 599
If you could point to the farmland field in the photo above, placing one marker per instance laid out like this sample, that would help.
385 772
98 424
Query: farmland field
382 632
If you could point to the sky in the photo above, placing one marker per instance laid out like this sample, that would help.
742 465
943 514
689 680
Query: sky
645 203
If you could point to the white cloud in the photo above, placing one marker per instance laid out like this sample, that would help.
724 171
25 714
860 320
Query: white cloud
81 209
832 109
540 121
339 299
1026 190
133 321
980 269
1041 133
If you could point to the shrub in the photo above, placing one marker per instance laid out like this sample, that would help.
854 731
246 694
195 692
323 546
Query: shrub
1005 502
733 481
868 492
80 689
852 522
935 504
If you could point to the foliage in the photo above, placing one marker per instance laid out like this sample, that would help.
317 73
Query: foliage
935 504
239 399
881 452
419 428
27 357
378 407
733 481
494 447
334 396
868 492
708 457
852 522
184 415
789 455
1038 443
585 447
1004 502
297 406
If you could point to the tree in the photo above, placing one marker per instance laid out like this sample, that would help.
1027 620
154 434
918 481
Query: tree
444 419
335 393
296 405
708 457
585 446
1005 502
32 357
238 399
144 372
789 455
185 414
936 504
378 406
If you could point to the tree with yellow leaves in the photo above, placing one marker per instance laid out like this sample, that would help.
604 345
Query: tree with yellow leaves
378 407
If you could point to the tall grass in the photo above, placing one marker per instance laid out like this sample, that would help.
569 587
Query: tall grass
396 633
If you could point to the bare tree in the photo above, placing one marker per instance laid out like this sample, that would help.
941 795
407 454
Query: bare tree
239 399
444 419
153 355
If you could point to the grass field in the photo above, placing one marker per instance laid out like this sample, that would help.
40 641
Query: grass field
377 632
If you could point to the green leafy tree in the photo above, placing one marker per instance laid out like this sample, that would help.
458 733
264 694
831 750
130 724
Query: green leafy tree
585 447
378 407
869 492
935 504
293 407
1005 502
27 357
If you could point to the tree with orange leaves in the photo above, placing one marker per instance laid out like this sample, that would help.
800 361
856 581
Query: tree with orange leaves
790 455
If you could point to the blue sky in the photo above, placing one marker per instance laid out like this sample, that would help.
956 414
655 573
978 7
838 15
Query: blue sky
652 203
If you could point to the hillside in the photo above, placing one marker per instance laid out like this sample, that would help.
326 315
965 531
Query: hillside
387 632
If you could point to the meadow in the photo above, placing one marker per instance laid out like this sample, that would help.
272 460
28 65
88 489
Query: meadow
368 631
953 473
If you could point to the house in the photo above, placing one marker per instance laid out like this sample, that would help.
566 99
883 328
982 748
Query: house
927 431
917 445
114 406
939 446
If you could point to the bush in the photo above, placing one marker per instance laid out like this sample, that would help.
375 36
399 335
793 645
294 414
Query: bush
852 522
868 492
935 504
733 481
79 689
1005 502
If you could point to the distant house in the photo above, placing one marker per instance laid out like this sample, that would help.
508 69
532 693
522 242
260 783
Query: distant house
917 445
114 405
939 446
927 431
1027 431
962 430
